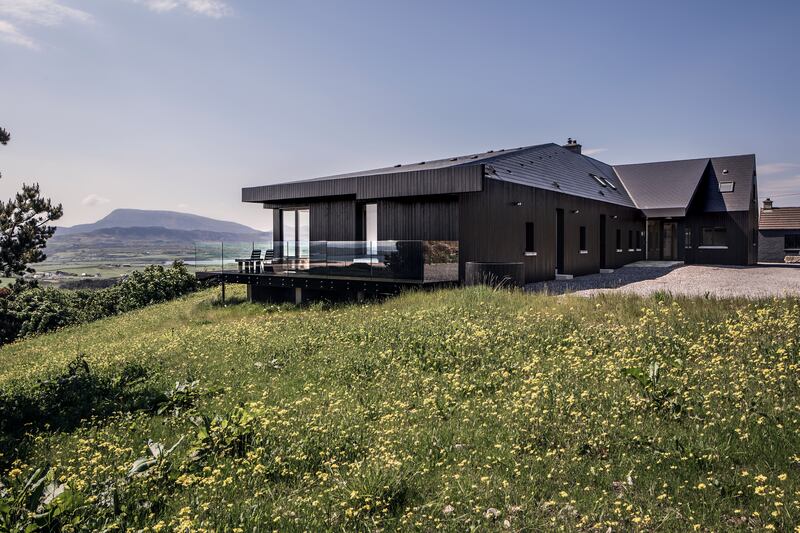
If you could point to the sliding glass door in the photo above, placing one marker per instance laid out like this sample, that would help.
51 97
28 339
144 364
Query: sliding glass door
295 233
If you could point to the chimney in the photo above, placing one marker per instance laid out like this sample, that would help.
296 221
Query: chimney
573 146
767 205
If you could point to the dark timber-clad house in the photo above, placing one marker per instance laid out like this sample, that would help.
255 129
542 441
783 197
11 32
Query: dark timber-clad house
533 213
778 233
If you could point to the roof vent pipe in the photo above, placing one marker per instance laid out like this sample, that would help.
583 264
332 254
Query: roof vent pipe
573 146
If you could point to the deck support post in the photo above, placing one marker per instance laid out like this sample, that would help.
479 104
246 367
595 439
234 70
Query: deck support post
298 295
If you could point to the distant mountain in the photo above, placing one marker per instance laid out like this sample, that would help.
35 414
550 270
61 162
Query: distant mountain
152 235
171 220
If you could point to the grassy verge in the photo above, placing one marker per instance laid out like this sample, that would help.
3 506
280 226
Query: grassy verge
455 409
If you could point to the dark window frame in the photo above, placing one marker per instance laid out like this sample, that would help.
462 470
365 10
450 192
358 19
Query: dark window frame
619 240
630 240
687 237
530 238
713 237
582 245
791 241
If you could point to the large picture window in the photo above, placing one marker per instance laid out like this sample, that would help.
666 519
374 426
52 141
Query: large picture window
791 241
716 237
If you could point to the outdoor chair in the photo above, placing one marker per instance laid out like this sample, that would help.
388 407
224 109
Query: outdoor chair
249 265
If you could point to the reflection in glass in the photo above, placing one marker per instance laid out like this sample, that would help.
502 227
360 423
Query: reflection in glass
303 233
289 233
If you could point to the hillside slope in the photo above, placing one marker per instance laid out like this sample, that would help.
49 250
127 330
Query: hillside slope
457 410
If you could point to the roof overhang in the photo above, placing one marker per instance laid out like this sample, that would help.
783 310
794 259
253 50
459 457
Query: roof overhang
663 212
451 180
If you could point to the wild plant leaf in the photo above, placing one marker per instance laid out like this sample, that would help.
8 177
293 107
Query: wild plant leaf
141 465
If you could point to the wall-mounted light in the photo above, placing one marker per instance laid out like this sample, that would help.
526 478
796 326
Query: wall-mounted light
516 204
575 211
615 217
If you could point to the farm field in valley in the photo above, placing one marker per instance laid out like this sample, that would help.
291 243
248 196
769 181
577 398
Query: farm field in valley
455 409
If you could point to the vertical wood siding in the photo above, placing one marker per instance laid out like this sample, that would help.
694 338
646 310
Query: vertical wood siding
492 228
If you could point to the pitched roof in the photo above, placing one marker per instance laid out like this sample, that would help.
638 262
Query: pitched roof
553 167
738 170
780 218
665 185
666 188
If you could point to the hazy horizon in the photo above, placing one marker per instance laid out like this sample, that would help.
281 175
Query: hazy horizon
176 105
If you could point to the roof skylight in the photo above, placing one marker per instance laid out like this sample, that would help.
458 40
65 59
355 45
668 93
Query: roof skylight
599 180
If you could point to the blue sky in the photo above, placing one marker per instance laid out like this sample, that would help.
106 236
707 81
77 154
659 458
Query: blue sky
177 104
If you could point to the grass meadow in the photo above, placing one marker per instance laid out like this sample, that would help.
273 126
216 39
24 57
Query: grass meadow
455 410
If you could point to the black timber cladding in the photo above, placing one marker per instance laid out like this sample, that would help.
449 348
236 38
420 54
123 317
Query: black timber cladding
426 182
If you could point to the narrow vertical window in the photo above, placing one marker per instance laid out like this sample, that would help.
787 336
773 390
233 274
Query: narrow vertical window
638 240
630 240
371 228
687 237
619 240
583 239
530 242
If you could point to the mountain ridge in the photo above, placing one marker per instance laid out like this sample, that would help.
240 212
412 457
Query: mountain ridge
171 220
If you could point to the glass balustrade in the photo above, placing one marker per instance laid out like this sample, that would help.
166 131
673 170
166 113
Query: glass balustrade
389 260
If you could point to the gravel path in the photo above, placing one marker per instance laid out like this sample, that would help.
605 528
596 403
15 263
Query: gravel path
689 280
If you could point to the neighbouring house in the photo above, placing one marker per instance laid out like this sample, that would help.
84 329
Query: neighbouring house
530 213
778 234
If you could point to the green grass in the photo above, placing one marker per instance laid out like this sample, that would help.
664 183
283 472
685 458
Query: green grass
460 409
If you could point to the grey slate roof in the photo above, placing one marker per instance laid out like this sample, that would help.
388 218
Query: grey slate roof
666 188
780 218
659 189
546 165
738 169
447 162
666 185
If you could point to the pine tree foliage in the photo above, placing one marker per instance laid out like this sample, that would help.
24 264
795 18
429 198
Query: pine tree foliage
25 226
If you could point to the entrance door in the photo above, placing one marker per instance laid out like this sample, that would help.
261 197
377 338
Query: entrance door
559 241
669 246
654 240
602 241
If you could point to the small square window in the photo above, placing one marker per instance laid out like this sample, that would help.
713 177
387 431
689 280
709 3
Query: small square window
714 237
726 186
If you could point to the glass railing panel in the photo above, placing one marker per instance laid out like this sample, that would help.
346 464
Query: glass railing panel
440 260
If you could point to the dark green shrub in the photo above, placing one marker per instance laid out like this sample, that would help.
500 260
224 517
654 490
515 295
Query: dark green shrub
33 310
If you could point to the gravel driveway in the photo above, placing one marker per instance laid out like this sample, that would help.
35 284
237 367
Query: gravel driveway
689 280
